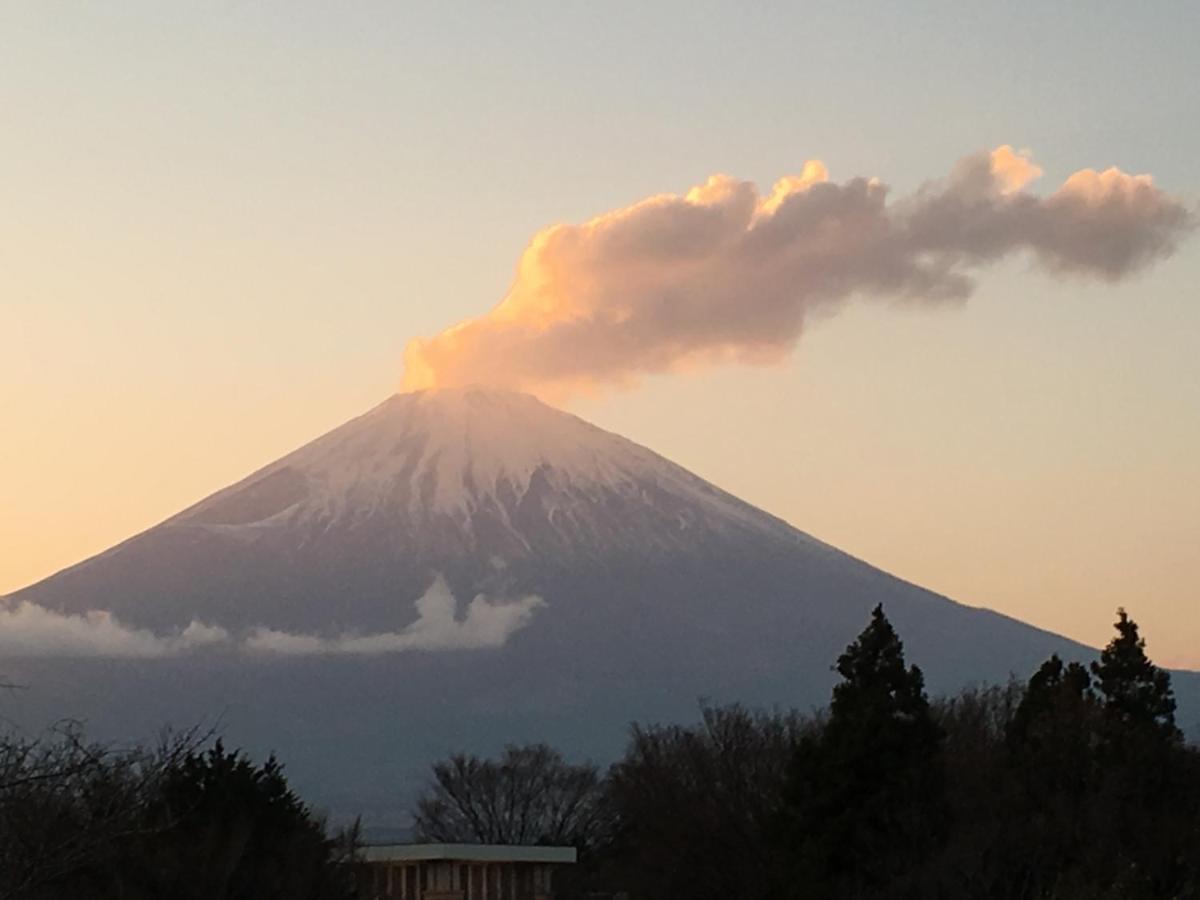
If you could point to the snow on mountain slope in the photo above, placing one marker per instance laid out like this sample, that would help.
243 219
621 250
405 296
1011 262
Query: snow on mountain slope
463 453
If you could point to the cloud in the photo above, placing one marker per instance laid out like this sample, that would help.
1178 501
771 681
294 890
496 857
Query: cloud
488 623
29 630
726 274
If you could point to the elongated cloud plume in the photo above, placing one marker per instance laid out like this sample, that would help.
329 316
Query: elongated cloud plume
29 630
726 274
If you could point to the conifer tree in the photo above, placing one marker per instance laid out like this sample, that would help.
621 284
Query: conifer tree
1050 770
1144 786
1137 694
1053 720
863 804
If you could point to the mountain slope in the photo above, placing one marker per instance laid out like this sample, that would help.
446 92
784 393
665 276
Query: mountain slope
345 531
654 589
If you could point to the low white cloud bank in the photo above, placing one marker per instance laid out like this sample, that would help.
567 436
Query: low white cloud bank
28 630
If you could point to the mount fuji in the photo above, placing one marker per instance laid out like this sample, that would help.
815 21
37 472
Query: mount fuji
461 568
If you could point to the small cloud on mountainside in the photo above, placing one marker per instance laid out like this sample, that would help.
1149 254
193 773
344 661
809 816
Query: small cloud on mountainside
488 623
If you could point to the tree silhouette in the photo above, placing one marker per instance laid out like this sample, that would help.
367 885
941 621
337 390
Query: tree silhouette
864 798
530 795
224 827
1052 731
84 821
1137 694
691 805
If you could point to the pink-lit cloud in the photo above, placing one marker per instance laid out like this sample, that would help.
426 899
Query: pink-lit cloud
726 274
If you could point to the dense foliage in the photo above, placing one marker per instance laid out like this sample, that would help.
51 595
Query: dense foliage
1076 785
690 806
184 821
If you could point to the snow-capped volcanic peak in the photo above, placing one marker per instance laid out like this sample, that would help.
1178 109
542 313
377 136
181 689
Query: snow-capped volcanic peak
459 448
483 461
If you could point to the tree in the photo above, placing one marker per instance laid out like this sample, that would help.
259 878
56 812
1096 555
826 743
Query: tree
224 827
1053 729
1137 694
864 798
65 805
693 805
1043 832
85 821
530 795
1102 795
1147 793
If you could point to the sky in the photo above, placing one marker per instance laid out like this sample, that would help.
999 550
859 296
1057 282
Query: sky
222 224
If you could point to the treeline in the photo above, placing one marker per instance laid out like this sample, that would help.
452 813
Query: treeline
1075 785
188 820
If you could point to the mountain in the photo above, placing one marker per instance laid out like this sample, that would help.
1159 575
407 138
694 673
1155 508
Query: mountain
489 488
461 568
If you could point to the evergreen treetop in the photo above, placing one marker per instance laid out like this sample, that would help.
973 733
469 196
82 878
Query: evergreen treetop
875 682
1136 692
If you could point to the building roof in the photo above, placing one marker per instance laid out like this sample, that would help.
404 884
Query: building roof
497 853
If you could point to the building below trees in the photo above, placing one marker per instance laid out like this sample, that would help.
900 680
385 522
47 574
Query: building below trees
460 871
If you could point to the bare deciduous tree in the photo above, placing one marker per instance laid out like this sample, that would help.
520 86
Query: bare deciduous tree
530 795
64 802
